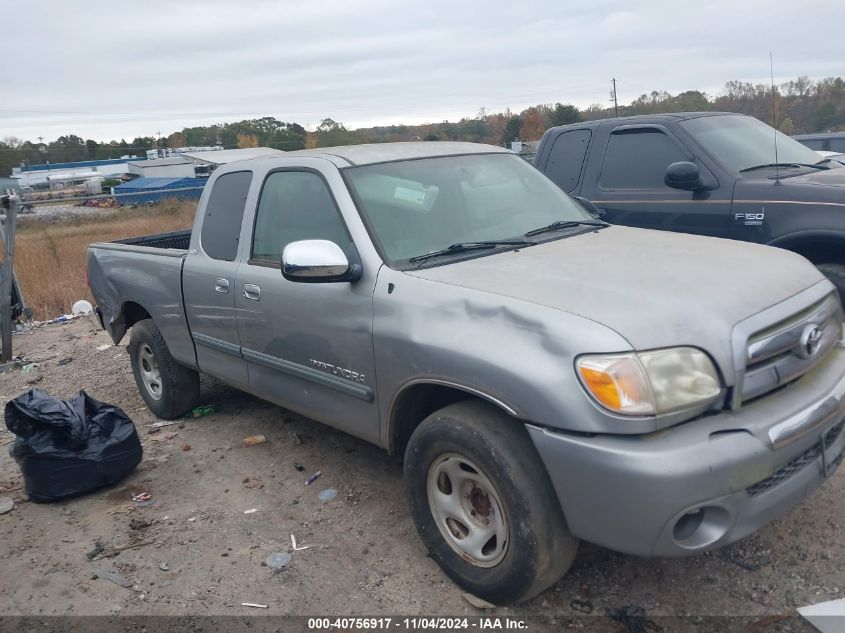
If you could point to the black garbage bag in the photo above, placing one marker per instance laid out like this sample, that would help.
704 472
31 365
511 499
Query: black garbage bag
67 448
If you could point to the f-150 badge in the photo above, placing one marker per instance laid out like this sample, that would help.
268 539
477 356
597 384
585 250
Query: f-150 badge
751 219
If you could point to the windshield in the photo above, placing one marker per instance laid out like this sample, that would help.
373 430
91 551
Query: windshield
417 207
741 142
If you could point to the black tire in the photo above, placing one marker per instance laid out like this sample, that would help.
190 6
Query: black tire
836 274
539 547
179 386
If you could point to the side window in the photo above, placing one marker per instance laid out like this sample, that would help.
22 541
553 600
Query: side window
637 159
295 205
567 158
812 143
221 226
837 145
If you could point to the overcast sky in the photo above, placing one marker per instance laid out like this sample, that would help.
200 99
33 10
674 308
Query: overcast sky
106 70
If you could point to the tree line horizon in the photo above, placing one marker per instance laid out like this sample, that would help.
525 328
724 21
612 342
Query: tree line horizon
802 105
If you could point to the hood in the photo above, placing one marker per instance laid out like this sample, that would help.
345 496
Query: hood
654 288
816 186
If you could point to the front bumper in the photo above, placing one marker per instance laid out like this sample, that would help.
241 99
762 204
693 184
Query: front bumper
706 483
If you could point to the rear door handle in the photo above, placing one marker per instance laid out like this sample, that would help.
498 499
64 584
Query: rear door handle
252 292
221 285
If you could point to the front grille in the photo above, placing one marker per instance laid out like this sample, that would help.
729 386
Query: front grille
781 353
798 464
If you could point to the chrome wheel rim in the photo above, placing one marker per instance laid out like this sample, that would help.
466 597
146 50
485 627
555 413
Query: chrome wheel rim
148 368
468 510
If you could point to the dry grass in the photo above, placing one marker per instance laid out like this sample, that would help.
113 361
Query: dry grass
50 256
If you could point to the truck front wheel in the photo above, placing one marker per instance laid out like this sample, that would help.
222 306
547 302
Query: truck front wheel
836 274
484 505
168 388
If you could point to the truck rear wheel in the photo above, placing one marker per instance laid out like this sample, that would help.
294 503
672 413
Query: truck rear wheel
483 503
168 388
836 274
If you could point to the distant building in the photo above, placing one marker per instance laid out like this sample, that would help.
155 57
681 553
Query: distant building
221 157
173 167
69 173
167 152
149 190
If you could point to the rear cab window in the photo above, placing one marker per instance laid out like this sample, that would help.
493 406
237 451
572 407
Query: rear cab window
224 212
566 158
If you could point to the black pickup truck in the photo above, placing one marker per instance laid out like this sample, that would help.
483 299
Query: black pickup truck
710 173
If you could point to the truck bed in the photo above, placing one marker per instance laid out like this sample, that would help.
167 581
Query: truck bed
179 240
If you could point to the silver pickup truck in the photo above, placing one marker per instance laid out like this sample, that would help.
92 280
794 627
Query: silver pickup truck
545 376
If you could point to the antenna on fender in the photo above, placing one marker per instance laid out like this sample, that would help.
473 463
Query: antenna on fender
774 117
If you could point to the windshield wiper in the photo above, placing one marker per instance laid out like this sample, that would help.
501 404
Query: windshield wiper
812 165
463 247
563 224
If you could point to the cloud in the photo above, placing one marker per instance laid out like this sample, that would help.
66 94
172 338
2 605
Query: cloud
106 71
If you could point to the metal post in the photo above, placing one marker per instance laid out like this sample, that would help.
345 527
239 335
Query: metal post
613 98
7 275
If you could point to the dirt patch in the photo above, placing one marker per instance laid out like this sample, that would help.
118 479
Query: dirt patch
221 509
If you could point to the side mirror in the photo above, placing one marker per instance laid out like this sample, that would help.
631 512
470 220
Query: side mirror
317 261
683 175
590 207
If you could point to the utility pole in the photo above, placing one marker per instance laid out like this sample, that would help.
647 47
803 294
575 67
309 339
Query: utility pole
613 97
7 275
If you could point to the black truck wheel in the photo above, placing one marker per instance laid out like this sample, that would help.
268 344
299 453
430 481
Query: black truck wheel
484 505
168 388
836 274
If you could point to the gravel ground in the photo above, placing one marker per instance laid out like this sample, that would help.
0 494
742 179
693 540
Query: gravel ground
196 549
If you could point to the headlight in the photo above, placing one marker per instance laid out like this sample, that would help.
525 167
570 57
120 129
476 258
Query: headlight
650 383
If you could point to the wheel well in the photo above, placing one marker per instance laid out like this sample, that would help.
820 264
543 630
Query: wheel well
819 250
132 313
415 403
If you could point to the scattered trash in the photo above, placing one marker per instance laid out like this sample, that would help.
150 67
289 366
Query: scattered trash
253 604
66 360
298 466
293 544
6 505
163 566
202 411
253 482
29 367
101 348
582 606
186 448
313 478
139 524
67 448
163 437
81 307
98 549
328 494
296 439
161 423
192 519
144 496
477 602
116 578
252 440
278 561
250 511
633 618
827 617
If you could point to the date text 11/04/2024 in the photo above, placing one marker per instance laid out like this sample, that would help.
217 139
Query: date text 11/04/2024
417 623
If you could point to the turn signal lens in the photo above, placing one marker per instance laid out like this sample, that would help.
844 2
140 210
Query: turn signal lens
618 383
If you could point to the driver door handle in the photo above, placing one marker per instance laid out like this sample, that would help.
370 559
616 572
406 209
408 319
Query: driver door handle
252 292
221 285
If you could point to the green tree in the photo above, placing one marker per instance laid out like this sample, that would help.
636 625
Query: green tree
563 115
